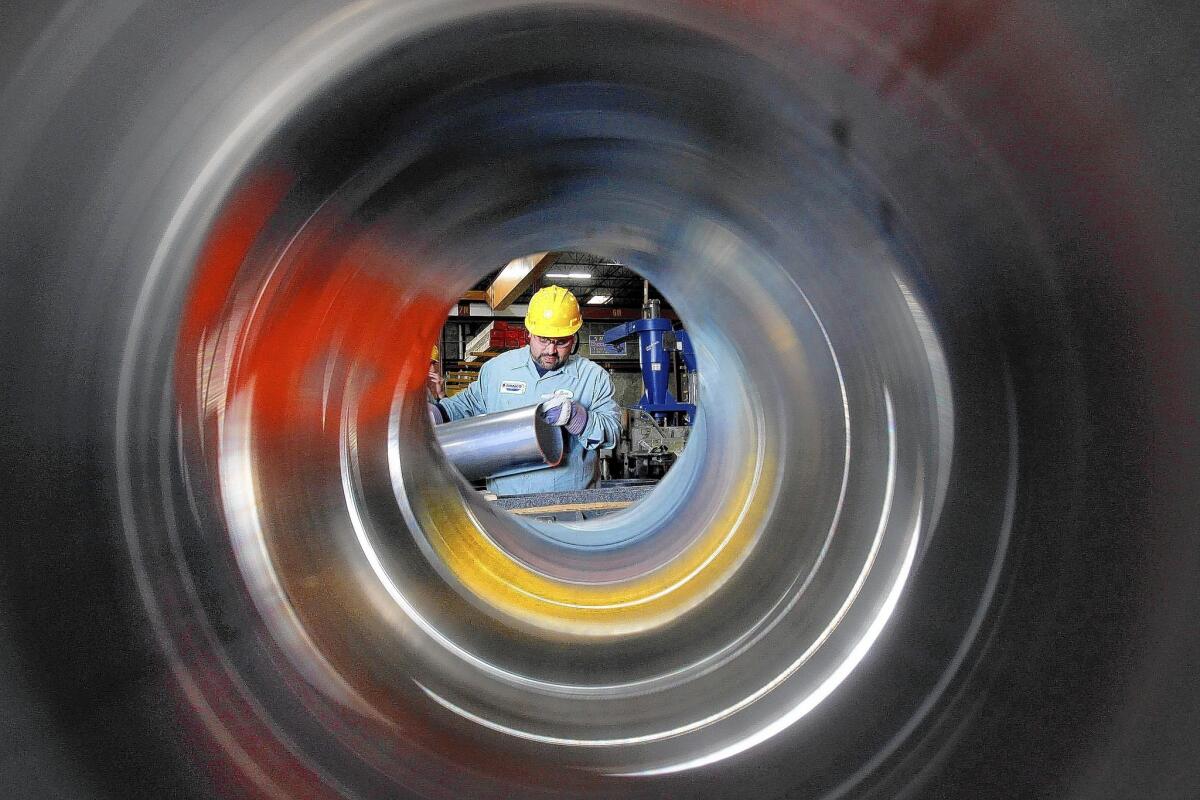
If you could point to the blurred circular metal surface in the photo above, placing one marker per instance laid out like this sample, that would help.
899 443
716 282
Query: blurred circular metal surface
927 535
741 593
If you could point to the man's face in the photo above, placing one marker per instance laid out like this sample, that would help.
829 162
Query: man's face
550 353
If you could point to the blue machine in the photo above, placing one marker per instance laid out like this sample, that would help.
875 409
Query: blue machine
655 337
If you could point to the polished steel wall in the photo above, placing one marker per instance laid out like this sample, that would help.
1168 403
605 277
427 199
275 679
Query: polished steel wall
933 535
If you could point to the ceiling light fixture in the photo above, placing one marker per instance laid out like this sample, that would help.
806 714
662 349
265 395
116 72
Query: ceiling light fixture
568 274
597 299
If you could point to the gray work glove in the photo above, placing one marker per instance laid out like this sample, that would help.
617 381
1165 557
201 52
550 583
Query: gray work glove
566 413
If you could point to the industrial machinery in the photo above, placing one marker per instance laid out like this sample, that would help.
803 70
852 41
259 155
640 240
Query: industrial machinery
659 424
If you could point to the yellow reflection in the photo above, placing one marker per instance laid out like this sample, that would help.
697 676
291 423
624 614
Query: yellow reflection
611 609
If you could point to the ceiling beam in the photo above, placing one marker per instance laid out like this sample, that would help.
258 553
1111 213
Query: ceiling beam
516 277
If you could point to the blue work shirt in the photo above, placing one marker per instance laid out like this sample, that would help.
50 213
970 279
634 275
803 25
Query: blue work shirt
510 380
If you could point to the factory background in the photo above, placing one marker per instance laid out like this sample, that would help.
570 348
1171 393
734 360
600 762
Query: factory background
489 320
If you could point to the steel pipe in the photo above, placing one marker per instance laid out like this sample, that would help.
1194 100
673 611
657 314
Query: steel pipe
503 443
934 536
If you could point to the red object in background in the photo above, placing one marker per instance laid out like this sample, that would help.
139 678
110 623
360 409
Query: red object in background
507 336
497 336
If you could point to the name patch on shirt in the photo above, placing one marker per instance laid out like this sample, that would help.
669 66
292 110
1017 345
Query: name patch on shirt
512 387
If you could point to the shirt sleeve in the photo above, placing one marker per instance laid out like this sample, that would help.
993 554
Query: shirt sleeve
604 416
470 402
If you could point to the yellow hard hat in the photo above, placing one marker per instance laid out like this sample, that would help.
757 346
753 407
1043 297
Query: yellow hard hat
553 312
436 354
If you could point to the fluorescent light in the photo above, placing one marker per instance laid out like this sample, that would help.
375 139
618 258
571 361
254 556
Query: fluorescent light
597 299
568 274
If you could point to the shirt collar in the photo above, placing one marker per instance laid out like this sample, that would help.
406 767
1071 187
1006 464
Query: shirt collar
526 362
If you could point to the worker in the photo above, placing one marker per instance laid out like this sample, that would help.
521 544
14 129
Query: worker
575 394
437 384
436 387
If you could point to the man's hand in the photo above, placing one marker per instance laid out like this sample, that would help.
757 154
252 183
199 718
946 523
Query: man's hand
557 411
565 412
437 384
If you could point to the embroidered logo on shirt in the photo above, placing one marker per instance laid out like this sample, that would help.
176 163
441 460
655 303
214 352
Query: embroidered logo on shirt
558 393
512 387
